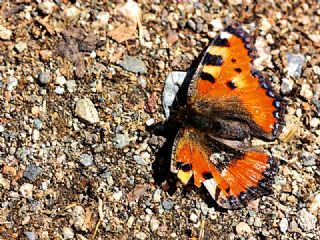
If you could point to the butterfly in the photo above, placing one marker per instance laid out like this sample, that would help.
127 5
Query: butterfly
228 103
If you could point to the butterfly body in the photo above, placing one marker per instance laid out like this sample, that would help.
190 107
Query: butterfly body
228 102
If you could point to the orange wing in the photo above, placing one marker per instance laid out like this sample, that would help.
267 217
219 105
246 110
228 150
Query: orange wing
225 80
232 177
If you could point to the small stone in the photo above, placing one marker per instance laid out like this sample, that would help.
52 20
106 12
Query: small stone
139 160
154 224
86 159
257 222
130 221
121 140
306 220
78 217
286 86
59 90
32 172
26 190
167 205
5 34
216 24
1 128
35 135
150 121
67 233
72 12
314 205
133 64
283 225
44 77
103 18
141 236
142 82
157 195
172 84
243 228
193 218
309 158
192 25
86 111
306 91
31 235
71 86
61 80
37 123
117 196
315 122
12 83
295 64
46 7
20 46
45 55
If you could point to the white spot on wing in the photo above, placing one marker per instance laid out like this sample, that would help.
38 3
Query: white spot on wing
225 35
211 186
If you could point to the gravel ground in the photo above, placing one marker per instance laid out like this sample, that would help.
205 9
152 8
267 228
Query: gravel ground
80 83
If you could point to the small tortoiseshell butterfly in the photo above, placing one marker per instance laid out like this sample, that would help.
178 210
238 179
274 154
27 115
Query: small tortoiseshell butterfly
228 102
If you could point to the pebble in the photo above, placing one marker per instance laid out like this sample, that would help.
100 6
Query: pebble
283 225
150 121
86 111
139 160
21 46
44 77
71 86
295 64
103 18
154 224
172 84
286 86
1 128
37 123
78 218
257 222
308 158
121 140
193 218
157 195
59 90
47 7
192 25
117 196
315 122
216 24
5 34
141 236
314 205
306 91
32 172
67 233
26 190
167 205
72 12
306 220
130 221
35 135
31 235
12 83
142 82
86 159
243 228
133 64
61 80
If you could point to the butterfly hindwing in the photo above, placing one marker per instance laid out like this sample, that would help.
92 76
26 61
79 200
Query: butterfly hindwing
232 177
226 82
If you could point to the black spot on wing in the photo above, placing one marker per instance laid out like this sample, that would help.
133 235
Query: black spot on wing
207 175
231 85
186 167
213 60
238 70
220 42
207 77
